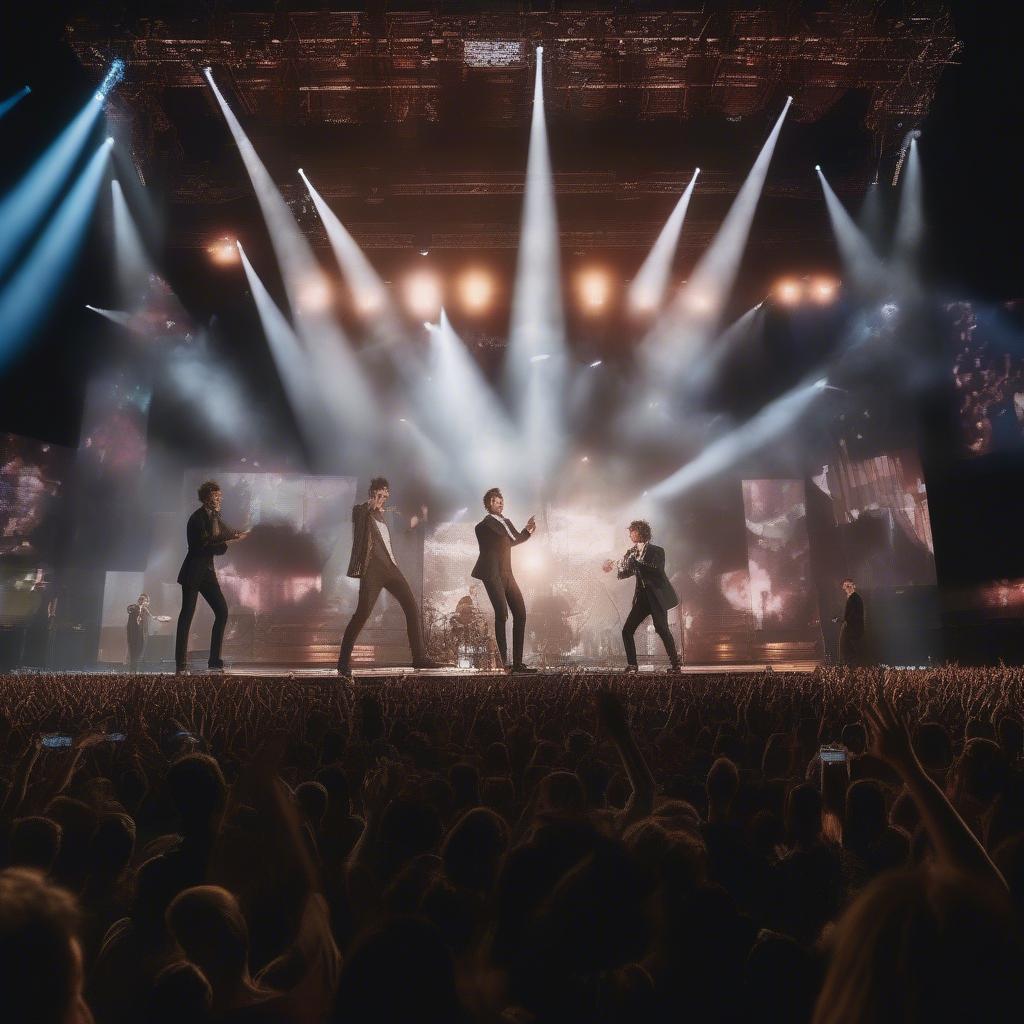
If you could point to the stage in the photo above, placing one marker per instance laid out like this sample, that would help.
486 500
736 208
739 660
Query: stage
406 673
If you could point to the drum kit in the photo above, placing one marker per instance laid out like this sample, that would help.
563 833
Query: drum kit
462 638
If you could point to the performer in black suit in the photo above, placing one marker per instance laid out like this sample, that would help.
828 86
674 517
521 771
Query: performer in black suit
138 631
374 564
654 595
207 536
851 633
497 536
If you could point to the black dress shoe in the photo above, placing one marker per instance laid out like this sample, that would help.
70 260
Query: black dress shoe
420 663
631 668
344 672
521 670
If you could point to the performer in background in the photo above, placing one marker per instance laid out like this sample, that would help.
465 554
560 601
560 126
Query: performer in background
851 632
374 564
497 536
207 536
653 595
139 620
138 631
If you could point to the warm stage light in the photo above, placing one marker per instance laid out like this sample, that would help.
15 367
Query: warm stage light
223 252
594 289
422 292
789 291
699 302
823 289
643 300
368 300
476 290
313 295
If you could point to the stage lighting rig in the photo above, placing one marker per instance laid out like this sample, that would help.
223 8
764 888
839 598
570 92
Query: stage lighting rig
594 288
422 292
476 290
823 290
224 251
789 291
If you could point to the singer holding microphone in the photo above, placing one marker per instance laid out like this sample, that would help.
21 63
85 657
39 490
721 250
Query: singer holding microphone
653 595
374 564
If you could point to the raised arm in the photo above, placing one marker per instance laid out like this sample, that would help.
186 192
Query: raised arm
612 718
955 844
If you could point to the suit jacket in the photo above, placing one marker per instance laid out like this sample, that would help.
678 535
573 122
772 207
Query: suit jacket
365 539
138 630
496 546
202 546
853 615
650 577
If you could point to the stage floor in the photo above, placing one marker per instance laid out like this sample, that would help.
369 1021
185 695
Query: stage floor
305 672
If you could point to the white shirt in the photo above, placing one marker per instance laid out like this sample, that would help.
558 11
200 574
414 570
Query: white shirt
385 535
501 519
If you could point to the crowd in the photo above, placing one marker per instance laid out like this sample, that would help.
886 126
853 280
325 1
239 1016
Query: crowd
842 846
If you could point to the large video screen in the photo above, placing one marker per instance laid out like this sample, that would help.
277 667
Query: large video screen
33 477
879 509
988 376
779 554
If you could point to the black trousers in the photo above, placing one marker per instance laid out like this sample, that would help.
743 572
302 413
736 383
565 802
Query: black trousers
504 593
136 649
851 647
381 575
210 589
642 607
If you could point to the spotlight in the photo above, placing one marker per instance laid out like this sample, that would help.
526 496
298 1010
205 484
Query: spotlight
596 362
817 167
313 295
302 173
475 290
594 289
422 294
823 289
789 291
224 251
113 76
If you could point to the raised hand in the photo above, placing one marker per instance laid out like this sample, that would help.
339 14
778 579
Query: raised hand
888 735
608 565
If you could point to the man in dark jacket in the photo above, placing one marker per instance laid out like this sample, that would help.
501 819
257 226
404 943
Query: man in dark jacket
653 595
851 633
497 536
374 564
207 536
138 631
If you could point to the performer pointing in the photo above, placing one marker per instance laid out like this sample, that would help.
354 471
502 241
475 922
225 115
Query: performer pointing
497 536
207 536
654 595
374 564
